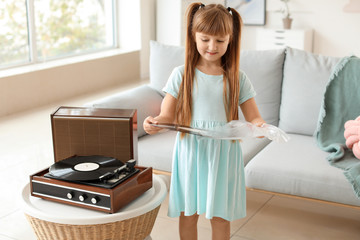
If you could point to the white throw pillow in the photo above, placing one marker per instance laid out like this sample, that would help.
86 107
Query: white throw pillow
163 59
264 69
305 78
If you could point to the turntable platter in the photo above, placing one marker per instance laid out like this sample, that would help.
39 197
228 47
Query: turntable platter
84 168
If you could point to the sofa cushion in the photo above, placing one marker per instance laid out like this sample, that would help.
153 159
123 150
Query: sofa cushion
264 68
305 79
299 168
143 98
251 146
163 60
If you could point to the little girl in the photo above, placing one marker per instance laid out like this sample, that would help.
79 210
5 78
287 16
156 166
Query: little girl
207 174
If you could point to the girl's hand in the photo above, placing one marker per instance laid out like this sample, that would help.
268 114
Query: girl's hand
167 115
260 123
150 129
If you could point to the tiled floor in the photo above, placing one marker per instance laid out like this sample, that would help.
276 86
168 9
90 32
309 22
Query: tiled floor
26 147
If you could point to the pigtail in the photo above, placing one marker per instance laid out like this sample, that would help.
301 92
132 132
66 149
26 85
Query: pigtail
231 66
183 108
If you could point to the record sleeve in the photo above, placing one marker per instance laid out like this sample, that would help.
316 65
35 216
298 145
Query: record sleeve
233 130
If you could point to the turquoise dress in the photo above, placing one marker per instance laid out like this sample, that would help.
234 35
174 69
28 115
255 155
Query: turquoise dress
207 174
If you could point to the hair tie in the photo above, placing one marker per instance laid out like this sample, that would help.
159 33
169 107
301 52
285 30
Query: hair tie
229 9
201 6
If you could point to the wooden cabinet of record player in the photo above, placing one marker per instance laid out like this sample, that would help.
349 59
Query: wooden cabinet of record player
94 131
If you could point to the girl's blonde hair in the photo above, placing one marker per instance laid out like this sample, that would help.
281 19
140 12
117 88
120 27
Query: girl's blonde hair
213 19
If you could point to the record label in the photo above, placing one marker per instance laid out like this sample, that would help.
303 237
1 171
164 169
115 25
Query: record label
87 166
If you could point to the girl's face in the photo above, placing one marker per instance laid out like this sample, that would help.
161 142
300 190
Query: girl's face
211 48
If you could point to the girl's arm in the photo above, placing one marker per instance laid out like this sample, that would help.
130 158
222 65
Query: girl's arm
251 112
167 115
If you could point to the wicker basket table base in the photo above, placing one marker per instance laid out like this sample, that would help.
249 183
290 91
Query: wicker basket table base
137 227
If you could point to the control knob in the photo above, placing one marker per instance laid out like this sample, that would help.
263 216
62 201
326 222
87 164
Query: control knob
82 197
95 200
70 195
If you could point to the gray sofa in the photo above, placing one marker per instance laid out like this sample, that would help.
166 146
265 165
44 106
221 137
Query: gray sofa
290 84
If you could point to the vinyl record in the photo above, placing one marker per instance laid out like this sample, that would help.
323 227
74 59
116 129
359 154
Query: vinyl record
84 168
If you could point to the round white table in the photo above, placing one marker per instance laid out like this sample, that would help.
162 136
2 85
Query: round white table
52 220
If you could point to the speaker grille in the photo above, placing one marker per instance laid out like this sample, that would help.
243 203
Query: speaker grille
84 136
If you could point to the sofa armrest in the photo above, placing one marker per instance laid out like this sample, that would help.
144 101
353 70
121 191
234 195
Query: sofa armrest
146 100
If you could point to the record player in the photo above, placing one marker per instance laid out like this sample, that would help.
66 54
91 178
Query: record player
95 153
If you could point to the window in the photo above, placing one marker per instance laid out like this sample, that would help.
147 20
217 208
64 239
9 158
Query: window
14 48
35 31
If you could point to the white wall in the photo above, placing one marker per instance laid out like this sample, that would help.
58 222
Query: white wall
336 33
148 32
23 91
171 20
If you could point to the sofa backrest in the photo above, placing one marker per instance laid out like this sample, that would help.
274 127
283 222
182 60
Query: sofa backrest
303 87
264 68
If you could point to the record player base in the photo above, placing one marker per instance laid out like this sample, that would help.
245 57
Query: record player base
137 228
